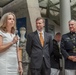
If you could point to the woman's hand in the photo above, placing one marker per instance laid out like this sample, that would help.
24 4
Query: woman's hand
20 68
15 39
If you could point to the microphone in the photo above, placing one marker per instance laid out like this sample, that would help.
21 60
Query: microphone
16 32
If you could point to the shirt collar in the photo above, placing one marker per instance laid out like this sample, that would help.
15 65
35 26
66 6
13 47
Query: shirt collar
40 32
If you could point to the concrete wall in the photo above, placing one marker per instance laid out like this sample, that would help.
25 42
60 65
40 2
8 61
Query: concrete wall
56 27
19 7
30 10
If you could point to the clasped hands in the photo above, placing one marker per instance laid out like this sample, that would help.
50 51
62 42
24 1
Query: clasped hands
72 58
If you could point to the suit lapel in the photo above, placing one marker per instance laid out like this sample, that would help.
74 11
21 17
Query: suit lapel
37 37
45 37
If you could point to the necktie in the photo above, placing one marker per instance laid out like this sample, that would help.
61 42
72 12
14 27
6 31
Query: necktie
41 39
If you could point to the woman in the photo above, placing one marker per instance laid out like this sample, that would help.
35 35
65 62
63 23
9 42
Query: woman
10 55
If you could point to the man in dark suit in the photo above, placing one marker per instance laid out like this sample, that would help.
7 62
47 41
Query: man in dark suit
68 48
56 56
39 50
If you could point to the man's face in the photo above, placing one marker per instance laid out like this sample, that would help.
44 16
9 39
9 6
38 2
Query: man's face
39 24
72 26
58 38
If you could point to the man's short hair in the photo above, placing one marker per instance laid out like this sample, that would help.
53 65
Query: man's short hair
72 20
58 33
40 18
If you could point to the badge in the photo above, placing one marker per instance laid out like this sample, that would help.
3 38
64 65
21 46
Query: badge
74 49
73 34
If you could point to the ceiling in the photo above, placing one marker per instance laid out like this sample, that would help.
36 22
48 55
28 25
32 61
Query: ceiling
51 9
5 2
12 5
48 8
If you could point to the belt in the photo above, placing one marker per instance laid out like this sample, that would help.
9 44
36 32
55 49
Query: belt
71 51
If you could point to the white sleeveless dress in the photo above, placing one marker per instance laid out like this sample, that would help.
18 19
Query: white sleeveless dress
8 58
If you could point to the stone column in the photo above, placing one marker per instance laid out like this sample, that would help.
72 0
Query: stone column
34 12
65 16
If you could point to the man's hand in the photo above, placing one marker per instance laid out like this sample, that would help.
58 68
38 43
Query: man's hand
72 58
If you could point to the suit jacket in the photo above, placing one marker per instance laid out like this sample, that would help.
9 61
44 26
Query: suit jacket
36 51
67 50
56 56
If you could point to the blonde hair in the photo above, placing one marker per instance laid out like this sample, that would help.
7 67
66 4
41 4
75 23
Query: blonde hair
3 22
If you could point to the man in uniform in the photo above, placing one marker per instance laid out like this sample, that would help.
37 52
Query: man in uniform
56 56
68 48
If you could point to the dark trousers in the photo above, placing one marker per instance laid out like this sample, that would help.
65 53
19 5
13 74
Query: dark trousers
42 71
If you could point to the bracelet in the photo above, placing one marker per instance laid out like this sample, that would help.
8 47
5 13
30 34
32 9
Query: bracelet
20 61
